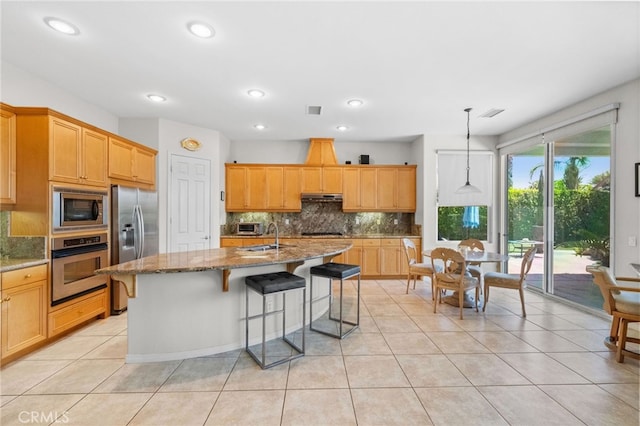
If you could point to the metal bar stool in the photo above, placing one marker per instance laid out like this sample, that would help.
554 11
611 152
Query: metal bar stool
273 284
336 271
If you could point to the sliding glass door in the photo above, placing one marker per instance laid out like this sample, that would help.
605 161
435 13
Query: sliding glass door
558 200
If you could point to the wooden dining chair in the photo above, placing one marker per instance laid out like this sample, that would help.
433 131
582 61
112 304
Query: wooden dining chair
516 282
415 268
473 268
451 276
623 303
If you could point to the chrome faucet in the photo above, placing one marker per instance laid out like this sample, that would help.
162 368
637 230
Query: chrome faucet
277 243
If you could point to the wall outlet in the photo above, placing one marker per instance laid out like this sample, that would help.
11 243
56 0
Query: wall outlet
632 241
357 221
395 221
286 221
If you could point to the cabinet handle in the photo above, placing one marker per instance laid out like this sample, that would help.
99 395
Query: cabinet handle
6 299
28 276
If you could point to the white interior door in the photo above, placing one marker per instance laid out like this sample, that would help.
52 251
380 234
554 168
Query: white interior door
189 204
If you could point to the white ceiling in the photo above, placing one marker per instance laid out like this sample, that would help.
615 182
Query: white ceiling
416 65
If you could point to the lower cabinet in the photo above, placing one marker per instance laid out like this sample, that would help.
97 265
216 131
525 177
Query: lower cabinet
24 309
78 311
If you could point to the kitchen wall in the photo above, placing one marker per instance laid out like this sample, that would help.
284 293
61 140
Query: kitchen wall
19 247
328 217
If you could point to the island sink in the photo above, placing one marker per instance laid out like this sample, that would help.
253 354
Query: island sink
264 247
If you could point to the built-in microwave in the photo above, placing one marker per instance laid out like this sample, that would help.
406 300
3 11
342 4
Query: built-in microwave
75 209
249 228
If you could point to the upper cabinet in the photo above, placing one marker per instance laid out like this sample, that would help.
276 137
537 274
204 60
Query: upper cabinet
261 187
7 155
77 154
131 163
379 188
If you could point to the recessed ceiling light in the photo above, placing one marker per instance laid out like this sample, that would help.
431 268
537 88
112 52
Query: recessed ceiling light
260 126
342 128
255 93
200 29
355 103
156 98
61 26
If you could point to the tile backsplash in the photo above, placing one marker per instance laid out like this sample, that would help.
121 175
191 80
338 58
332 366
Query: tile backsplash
19 247
328 217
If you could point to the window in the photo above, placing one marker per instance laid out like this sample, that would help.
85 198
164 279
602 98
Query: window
460 223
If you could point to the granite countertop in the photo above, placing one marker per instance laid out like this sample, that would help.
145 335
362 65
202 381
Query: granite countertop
225 258
13 264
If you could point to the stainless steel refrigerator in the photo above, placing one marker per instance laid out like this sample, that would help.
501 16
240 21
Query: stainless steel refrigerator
134 232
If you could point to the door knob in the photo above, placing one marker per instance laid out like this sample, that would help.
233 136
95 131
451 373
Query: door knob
205 238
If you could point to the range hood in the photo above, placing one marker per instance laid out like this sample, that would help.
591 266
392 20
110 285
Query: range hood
322 198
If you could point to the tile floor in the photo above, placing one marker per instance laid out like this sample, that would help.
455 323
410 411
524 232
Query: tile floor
405 365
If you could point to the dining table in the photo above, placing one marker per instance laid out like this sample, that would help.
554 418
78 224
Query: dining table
472 256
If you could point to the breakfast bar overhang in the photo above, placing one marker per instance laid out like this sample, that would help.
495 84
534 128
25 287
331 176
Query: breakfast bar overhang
191 304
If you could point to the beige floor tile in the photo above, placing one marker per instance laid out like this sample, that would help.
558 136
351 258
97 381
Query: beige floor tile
21 376
458 406
369 287
367 325
318 407
592 405
417 308
109 409
247 408
388 407
596 369
317 372
588 339
501 341
456 342
513 323
247 375
111 326
72 347
399 324
319 344
37 409
376 298
587 321
628 392
410 343
374 371
435 323
547 341
384 309
81 376
539 409
431 371
486 369
176 408
364 344
542 369
631 364
553 322
139 378
4 399
114 348
199 374
477 324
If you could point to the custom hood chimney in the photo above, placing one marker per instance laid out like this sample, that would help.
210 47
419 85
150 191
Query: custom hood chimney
321 153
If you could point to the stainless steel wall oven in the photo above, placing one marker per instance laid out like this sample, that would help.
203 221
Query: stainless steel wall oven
73 262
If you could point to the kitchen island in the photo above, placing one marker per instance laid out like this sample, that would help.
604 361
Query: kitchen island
191 304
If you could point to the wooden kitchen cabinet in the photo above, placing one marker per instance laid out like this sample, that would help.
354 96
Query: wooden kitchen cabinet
391 256
252 187
283 188
24 309
7 155
326 180
78 155
68 315
131 163
359 191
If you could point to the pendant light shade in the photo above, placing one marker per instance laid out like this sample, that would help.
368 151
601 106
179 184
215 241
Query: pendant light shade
467 188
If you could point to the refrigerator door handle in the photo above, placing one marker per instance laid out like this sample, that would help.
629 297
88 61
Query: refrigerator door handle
141 228
137 246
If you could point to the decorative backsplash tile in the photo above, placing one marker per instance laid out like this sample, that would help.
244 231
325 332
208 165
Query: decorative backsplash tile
328 217
19 247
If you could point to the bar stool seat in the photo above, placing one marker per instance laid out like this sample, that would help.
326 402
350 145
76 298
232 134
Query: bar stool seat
338 271
273 284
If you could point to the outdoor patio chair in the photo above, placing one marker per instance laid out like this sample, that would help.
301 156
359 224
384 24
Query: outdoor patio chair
450 278
623 303
516 282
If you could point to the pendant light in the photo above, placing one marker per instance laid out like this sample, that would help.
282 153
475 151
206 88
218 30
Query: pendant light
467 188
